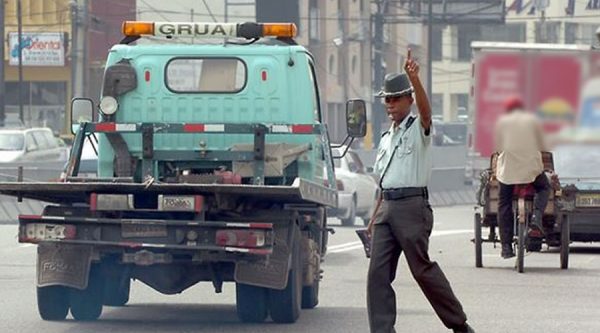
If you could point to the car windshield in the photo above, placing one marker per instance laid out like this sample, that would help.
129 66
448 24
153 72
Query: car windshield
11 141
577 161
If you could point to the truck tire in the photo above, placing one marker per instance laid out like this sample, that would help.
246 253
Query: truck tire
86 304
251 303
116 291
310 296
53 302
285 304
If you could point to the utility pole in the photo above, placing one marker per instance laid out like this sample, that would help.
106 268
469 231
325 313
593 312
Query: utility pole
378 70
430 50
2 82
74 47
20 48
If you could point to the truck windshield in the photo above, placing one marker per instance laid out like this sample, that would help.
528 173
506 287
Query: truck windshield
11 141
206 75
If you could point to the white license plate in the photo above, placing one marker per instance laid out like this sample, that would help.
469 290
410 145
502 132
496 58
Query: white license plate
587 200
185 203
138 230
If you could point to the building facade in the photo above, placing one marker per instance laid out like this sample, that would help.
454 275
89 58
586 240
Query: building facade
570 22
48 55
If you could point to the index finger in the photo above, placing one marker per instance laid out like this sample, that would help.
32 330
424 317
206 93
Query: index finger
408 54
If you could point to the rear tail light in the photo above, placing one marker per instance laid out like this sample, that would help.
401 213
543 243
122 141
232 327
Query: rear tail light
339 184
240 238
37 232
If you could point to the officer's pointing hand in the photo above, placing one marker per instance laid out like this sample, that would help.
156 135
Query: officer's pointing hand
411 67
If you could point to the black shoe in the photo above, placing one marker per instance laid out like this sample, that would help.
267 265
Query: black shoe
507 251
464 329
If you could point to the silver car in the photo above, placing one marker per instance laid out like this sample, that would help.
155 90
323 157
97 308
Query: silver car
30 145
357 190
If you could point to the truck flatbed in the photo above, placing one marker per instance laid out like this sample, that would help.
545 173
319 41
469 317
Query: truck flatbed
73 192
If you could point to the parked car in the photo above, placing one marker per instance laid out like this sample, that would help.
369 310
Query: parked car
357 190
576 164
88 164
30 145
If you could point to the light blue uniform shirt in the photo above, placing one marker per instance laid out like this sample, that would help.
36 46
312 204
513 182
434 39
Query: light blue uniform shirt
411 164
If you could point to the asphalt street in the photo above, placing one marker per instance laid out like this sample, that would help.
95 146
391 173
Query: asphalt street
496 298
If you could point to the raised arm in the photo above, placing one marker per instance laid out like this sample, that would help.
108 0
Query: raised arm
411 67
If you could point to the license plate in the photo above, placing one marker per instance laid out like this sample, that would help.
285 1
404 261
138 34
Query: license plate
136 229
587 200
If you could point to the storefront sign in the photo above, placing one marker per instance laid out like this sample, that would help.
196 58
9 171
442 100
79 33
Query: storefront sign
39 49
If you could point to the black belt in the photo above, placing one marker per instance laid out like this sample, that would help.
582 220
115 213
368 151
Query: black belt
405 192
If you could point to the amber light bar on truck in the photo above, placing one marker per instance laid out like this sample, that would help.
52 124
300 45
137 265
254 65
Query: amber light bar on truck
247 30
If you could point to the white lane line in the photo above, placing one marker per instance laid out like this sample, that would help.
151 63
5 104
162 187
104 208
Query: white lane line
358 245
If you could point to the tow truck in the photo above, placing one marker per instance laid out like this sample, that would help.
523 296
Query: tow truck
214 165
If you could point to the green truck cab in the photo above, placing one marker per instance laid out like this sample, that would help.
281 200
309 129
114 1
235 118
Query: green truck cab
214 165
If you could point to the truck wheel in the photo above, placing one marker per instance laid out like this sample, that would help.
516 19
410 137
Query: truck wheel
310 296
251 303
565 240
53 302
522 238
285 304
86 304
478 241
351 216
116 291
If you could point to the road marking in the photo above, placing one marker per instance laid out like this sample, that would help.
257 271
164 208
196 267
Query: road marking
26 245
358 245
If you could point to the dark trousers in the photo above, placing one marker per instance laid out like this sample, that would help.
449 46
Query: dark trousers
505 205
405 225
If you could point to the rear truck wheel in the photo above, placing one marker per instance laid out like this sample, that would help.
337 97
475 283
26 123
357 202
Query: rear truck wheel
348 222
522 238
251 303
86 304
565 240
310 293
116 291
310 296
478 241
284 305
53 302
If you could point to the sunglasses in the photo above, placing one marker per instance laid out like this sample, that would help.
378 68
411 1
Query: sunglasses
391 99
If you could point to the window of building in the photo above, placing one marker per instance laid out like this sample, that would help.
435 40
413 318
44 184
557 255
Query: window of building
581 33
437 105
332 65
462 105
467 33
437 43
313 19
547 32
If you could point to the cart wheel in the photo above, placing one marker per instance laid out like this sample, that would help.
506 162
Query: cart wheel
478 241
565 239
522 230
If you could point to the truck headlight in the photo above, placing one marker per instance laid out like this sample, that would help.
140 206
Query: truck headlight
109 105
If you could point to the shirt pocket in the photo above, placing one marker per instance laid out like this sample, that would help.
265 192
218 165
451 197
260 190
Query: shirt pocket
406 148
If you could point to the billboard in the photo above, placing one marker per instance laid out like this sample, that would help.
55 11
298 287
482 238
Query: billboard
38 48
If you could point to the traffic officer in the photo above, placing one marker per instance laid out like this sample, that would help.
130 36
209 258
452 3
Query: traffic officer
403 218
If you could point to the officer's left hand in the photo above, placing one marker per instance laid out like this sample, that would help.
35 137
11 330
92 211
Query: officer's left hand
411 67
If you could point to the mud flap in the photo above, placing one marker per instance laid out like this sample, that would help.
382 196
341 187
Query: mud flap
63 264
272 273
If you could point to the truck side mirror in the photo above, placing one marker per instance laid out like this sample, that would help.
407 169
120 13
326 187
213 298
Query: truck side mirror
82 111
356 118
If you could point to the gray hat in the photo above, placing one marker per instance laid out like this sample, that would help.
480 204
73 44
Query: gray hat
395 84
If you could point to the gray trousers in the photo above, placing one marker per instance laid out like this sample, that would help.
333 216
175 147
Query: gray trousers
405 225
